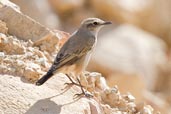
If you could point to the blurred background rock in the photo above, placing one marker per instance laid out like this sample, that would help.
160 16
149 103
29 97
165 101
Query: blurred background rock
133 53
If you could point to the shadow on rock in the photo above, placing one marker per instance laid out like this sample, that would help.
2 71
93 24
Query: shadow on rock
44 106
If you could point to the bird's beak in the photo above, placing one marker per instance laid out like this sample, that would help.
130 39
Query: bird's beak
106 23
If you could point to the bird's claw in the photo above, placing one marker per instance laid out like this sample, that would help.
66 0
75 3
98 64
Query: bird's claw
79 95
71 84
68 84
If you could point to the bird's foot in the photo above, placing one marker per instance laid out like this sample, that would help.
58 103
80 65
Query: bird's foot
83 94
69 85
72 82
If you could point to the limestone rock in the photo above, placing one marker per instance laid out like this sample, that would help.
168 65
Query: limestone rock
7 43
162 85
19 97
8 3
47 43
13 19
40 11
3 27
71 11
150 15
27 28
63 7
63 37
17 58
131 51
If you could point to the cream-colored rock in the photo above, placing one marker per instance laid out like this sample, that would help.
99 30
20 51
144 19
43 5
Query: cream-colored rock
40 11
63 37
27 28
31 74
151 15
64 7
128 83
11 46
3 27
95 82
158 101
122 103
21 58
47 43
129 50
163 82
71 11
8 3
17 97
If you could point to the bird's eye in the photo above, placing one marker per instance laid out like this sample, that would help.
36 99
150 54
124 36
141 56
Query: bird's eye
95 23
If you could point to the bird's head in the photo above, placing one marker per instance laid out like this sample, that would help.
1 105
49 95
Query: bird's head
94 24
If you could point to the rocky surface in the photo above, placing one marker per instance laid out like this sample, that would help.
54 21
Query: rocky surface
40 11
21 58
134 60
3 28
130 50
150 15
18 98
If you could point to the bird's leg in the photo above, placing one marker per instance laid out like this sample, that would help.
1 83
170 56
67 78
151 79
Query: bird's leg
72 82
88 95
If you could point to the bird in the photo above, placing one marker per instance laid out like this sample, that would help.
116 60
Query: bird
74 55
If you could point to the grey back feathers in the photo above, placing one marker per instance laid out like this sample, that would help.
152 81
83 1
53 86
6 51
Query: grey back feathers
76 47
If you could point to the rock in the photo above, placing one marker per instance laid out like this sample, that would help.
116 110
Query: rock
17 58
64 7
40 11
11 46
128 83
3 27
47 43
19 97
150 15
162 85
63 37
72 11
158 101
8 3
95 82
32 72
27 28
130 51
34 33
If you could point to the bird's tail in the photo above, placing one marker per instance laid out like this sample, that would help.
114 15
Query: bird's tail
44 78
